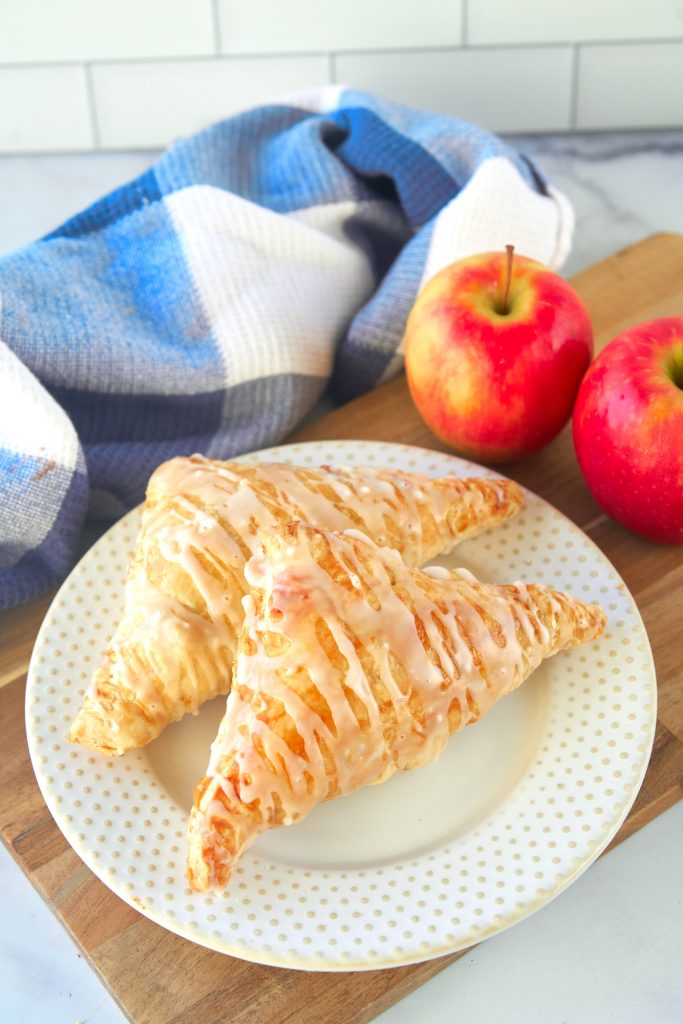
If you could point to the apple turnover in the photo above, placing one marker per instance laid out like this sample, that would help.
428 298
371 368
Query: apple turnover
175 644
351 666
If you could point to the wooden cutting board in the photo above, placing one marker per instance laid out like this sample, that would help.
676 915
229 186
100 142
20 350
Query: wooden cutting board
158 978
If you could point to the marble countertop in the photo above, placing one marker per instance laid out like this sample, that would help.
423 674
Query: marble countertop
610 947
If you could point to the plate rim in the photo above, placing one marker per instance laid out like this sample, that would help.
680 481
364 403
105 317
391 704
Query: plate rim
223 944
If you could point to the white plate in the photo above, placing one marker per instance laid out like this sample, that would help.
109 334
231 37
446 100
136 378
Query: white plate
432 861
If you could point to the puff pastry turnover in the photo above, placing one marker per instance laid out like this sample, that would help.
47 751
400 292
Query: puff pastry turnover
352 666
175 644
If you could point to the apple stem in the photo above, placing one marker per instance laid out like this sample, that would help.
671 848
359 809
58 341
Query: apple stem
510 251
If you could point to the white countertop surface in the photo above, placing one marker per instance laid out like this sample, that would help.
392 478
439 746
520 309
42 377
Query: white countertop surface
610 948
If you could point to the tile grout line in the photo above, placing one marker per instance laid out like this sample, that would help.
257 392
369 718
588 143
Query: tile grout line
350 51
574 88
92 105
463 23
216 22
332 68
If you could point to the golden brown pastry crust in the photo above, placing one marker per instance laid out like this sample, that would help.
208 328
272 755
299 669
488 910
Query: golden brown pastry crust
351 666
175 644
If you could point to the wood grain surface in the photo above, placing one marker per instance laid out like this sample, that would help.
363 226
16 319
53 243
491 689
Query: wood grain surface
158 978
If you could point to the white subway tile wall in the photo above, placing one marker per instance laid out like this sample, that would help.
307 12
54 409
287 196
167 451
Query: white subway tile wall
571 21
55 30
504 89
89 74
44 108
642 82
266 26
149 104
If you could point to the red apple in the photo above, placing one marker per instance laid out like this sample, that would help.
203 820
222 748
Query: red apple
495 348
628 429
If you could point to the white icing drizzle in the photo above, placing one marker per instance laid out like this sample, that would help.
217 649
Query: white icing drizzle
474 657
202 519
437 572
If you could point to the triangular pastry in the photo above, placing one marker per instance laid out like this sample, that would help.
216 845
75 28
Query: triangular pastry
175 644
351 666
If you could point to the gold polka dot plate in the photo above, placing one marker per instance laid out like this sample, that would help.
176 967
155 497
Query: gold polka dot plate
430 862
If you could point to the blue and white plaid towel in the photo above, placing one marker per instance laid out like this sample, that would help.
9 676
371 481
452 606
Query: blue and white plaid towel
206 305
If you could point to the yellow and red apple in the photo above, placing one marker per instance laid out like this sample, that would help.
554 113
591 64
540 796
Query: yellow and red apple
495 348
628 429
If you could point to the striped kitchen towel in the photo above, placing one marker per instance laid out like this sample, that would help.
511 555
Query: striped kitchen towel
206 305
